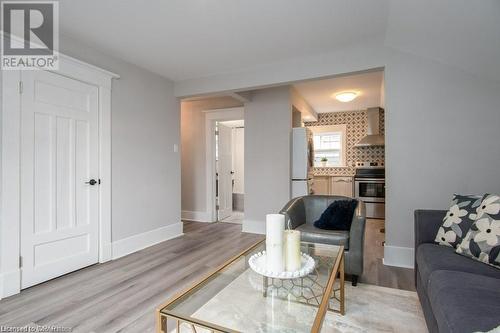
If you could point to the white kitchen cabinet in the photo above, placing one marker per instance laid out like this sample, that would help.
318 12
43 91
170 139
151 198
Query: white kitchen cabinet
341 186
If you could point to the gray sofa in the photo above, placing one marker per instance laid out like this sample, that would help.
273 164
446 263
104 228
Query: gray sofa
304 211
458 294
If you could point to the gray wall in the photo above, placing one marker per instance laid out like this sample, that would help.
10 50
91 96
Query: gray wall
441 128
442 137
268 123
145 127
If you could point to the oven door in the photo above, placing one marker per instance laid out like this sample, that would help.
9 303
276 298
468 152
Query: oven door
370 190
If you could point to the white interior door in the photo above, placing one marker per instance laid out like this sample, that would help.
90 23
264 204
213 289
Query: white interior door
59 156
224 166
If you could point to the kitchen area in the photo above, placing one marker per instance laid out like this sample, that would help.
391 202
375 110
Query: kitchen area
344 121
363 175
346 130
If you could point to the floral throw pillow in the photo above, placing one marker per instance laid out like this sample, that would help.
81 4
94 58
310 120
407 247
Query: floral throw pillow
482 242
458 219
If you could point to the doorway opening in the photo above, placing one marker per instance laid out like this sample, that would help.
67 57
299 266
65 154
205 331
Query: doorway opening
229 170
201 120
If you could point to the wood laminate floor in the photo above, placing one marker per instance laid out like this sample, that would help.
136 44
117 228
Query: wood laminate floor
121 295
374 271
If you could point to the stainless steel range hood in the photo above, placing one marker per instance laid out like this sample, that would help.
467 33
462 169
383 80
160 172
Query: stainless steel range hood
373 137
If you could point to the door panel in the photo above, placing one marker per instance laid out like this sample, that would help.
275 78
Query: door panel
59 153
225 177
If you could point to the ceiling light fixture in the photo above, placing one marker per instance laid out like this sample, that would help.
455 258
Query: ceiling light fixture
346 96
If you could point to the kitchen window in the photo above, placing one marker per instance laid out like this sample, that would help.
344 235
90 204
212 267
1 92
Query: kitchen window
329 144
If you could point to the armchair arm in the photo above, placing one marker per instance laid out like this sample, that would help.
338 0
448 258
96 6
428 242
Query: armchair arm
427 223
357 239
294 211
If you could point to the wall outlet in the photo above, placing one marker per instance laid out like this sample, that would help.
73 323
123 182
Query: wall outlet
176 147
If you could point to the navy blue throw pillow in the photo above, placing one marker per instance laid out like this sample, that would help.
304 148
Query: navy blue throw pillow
338 216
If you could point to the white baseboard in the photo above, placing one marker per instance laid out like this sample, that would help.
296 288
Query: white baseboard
254 227
399 256
188 215
10 283
138 242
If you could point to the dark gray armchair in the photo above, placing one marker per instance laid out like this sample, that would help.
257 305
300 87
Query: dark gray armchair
303 211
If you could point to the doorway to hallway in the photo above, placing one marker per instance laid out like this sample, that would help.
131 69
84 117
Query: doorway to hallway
229 157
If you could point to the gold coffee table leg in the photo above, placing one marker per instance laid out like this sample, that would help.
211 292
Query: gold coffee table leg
159 320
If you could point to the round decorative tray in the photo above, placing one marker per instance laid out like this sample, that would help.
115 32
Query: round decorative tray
257 263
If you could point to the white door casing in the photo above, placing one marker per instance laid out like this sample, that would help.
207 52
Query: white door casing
225 168
59 154
10 221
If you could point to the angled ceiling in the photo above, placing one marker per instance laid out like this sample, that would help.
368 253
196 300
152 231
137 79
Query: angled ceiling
319 93
461 33
183 39
186 39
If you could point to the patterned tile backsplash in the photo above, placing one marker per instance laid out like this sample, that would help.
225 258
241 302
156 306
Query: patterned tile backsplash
356 122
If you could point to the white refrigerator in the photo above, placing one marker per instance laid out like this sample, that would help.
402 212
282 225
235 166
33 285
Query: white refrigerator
302 161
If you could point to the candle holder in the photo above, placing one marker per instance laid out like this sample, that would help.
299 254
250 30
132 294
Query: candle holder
257 263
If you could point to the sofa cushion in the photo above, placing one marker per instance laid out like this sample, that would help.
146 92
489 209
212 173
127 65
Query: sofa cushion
338 216
483 239
458 219
464 302
309 233
433 257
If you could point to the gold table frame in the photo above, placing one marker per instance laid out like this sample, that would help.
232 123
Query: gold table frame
162 315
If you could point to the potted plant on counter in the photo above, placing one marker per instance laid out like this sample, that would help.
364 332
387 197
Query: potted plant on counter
324 160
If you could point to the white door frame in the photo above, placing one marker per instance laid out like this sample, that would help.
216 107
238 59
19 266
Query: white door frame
211 117
10 237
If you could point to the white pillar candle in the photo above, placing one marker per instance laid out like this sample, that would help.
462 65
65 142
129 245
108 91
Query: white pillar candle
275 227
292 250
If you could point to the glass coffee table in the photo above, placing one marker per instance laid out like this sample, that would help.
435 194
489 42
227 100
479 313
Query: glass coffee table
233 298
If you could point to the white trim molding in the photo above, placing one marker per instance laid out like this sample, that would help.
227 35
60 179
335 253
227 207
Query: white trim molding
187 215
10 274
399 256
138 242
10 198
9 283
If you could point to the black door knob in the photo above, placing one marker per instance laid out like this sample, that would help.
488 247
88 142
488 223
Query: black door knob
91 182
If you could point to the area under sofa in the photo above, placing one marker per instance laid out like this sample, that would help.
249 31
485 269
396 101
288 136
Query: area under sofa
458 294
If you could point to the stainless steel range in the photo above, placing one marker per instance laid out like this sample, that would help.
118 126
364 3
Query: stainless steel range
369 186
